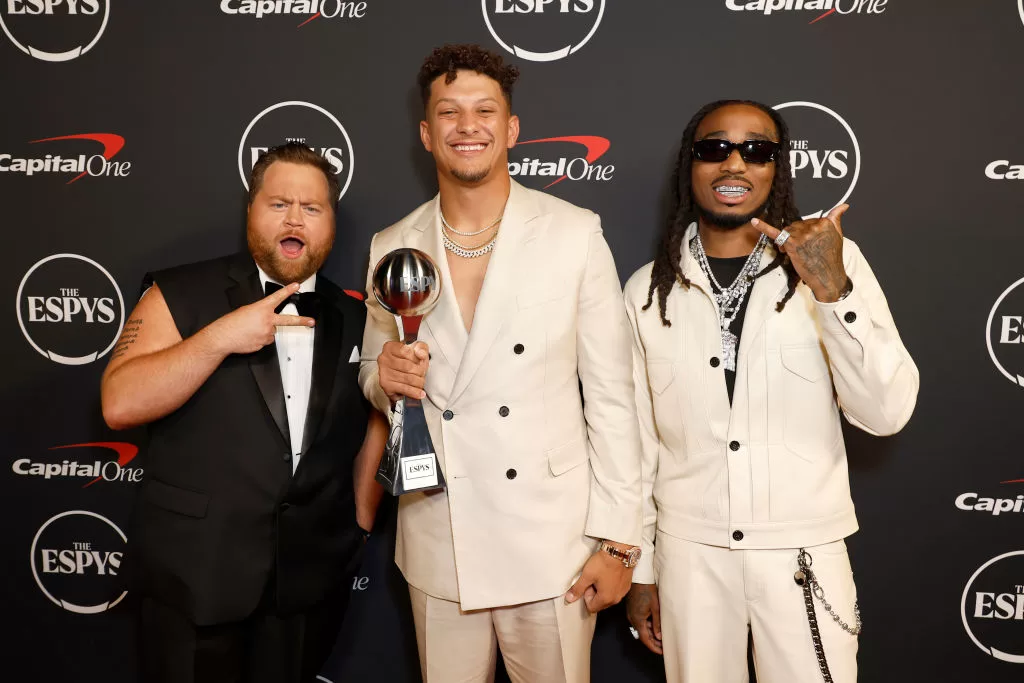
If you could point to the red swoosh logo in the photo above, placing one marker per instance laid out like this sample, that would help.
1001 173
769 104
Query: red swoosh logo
831 11
112 144
308 20
1013 481
595 146
126 452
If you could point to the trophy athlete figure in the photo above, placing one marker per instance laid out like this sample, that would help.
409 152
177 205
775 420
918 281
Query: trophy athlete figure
260 464
539 526
749 341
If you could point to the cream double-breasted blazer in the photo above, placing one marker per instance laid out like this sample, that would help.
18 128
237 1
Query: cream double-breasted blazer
535 472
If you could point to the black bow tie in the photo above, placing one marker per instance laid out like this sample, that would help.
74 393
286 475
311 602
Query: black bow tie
307 303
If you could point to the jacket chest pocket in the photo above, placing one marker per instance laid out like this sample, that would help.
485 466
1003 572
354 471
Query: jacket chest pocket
808 401
661 378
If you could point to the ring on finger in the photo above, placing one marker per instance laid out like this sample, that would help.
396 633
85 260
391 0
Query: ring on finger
636 634
781 238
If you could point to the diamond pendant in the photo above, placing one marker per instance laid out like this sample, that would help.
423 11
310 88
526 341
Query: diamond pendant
729 350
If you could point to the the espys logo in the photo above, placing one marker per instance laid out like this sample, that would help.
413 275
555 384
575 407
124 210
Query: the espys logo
1004 333
992 505
824 156
310 124
94 164
542 30
54 30
1020 9
110 470
311 9
70 309
75 558
561 159
992 607
820 8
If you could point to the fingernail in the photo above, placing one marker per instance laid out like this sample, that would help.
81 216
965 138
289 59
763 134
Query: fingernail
754 221
423 395
570 596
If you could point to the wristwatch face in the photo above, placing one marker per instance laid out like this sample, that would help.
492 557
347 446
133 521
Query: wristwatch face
633 557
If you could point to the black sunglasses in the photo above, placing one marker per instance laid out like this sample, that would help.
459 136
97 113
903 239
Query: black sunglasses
751 151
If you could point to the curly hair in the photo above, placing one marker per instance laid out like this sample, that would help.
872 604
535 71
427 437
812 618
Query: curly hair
448 60
781 210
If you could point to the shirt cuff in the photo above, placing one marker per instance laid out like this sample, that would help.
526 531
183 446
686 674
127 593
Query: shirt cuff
643 572
848 316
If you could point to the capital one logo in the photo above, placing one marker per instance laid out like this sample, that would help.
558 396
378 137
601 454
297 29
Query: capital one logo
78 155
310 124
1002 169
70 309
1005 333
54 30
542 30
824 156
75 560
992 607
311 9
572 157
821 8
111 470
993 505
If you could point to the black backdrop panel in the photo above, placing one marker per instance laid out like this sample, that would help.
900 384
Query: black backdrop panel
128 130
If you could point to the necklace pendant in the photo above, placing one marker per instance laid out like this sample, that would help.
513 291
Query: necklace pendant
729 350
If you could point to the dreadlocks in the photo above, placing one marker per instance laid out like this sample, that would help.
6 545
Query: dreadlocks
780 211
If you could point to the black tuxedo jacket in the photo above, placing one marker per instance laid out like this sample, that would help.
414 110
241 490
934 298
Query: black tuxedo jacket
220 513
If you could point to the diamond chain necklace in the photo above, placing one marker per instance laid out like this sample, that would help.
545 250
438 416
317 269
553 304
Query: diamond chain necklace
730 299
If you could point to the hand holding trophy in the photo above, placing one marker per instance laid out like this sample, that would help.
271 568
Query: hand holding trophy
407 283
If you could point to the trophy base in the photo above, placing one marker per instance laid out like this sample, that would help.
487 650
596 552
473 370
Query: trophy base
409 463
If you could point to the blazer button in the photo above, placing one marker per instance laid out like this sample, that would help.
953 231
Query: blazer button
287 457
734 445
737 535
284 506
447 414
503 411
518 348
850 317
510 473
715 362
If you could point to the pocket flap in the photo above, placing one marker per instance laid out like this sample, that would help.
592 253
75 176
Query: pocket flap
567 456
660 374
805 361
175 499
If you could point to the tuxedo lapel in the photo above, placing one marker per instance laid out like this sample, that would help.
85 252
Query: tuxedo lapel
263 364
326 352
501 282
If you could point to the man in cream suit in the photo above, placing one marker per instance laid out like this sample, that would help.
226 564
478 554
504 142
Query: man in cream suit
540 524
748 343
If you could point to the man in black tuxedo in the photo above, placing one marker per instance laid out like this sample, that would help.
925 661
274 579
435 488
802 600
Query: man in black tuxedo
262 448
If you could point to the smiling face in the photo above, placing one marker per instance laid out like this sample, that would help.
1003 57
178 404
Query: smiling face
469 128
729 193
290 227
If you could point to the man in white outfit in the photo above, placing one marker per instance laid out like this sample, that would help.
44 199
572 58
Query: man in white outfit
748 342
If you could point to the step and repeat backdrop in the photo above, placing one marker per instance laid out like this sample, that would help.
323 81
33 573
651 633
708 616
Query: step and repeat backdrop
129 130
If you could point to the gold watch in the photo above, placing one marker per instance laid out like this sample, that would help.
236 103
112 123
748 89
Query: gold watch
628 557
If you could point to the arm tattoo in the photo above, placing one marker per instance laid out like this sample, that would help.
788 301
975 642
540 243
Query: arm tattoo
128 337
820 256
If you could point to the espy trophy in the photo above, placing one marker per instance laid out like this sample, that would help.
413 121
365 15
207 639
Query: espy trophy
406 283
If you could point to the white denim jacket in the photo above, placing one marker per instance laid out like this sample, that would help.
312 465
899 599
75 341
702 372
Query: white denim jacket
770 471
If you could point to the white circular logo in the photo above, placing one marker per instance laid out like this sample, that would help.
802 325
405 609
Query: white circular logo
542 30
310 124
81 22
70 309
992 607
822 149
1004 333
75 559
